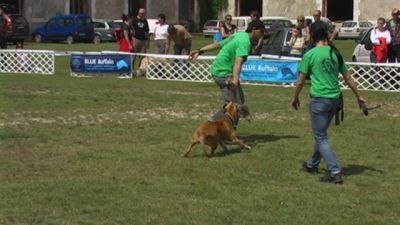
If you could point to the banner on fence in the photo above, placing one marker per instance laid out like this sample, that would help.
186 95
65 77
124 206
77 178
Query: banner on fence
101 63
269 71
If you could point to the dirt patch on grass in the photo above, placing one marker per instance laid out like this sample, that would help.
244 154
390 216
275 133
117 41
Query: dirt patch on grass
85 117
187 93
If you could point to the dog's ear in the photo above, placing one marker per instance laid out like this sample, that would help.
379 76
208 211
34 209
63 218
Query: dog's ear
245 112
227 106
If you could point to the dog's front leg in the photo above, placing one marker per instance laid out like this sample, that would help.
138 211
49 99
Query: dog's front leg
237 141
223 146
211 152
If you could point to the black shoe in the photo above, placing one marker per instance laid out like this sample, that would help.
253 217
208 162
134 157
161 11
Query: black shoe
332 178
312 170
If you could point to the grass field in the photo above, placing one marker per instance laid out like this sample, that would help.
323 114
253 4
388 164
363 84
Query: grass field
108 151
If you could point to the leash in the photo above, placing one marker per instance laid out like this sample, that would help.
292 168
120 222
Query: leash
366 109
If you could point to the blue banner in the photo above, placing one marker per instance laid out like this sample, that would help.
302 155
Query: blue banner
104 63
269 71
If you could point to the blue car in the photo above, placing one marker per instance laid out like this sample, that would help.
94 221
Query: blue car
68 28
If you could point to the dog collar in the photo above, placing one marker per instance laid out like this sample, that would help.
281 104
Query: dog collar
231 118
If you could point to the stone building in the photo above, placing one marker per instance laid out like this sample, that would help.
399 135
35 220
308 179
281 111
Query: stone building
37 12
336 10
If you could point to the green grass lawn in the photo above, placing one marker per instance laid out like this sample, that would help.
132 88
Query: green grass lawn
108 151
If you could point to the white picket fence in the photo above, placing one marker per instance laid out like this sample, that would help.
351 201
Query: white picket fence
27 61
368 76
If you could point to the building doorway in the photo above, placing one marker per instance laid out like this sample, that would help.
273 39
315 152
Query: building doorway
11 6
79 7
135 5
339 10
244 7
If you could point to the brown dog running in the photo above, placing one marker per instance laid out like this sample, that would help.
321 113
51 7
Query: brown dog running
220 132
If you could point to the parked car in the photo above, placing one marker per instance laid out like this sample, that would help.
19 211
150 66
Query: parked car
241 22
211 27
17 28
360 54
352 29
104 30
273 22
68 28
277 43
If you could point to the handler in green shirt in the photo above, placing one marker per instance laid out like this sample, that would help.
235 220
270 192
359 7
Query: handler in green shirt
322 64
227 65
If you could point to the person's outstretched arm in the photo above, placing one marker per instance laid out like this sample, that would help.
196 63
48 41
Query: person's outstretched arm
195 53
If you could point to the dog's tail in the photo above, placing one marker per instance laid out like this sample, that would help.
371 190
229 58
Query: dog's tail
193 141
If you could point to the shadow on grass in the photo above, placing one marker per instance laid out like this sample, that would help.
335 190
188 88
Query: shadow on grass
231 151
358 169
253 139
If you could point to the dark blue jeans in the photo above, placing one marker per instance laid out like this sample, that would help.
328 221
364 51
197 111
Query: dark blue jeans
322 111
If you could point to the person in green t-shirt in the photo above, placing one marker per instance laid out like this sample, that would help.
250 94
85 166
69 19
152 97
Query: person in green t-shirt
322 64
227 65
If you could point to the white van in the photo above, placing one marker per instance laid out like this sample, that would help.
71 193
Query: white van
241 22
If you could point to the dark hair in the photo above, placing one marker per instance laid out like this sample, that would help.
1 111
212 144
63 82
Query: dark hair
162 16
382 19
126 17
255 13
255 25
228 15
171 29
299 30
319 32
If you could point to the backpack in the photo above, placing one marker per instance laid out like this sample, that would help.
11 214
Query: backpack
118 34
367 43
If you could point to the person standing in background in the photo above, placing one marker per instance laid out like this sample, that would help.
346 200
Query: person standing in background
182 39
141 30
296 42
161 34
393 26
126 42
227 27
4 23
302 25
380 38
256 45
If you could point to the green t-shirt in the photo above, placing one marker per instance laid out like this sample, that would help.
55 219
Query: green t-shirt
236 45
322 67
